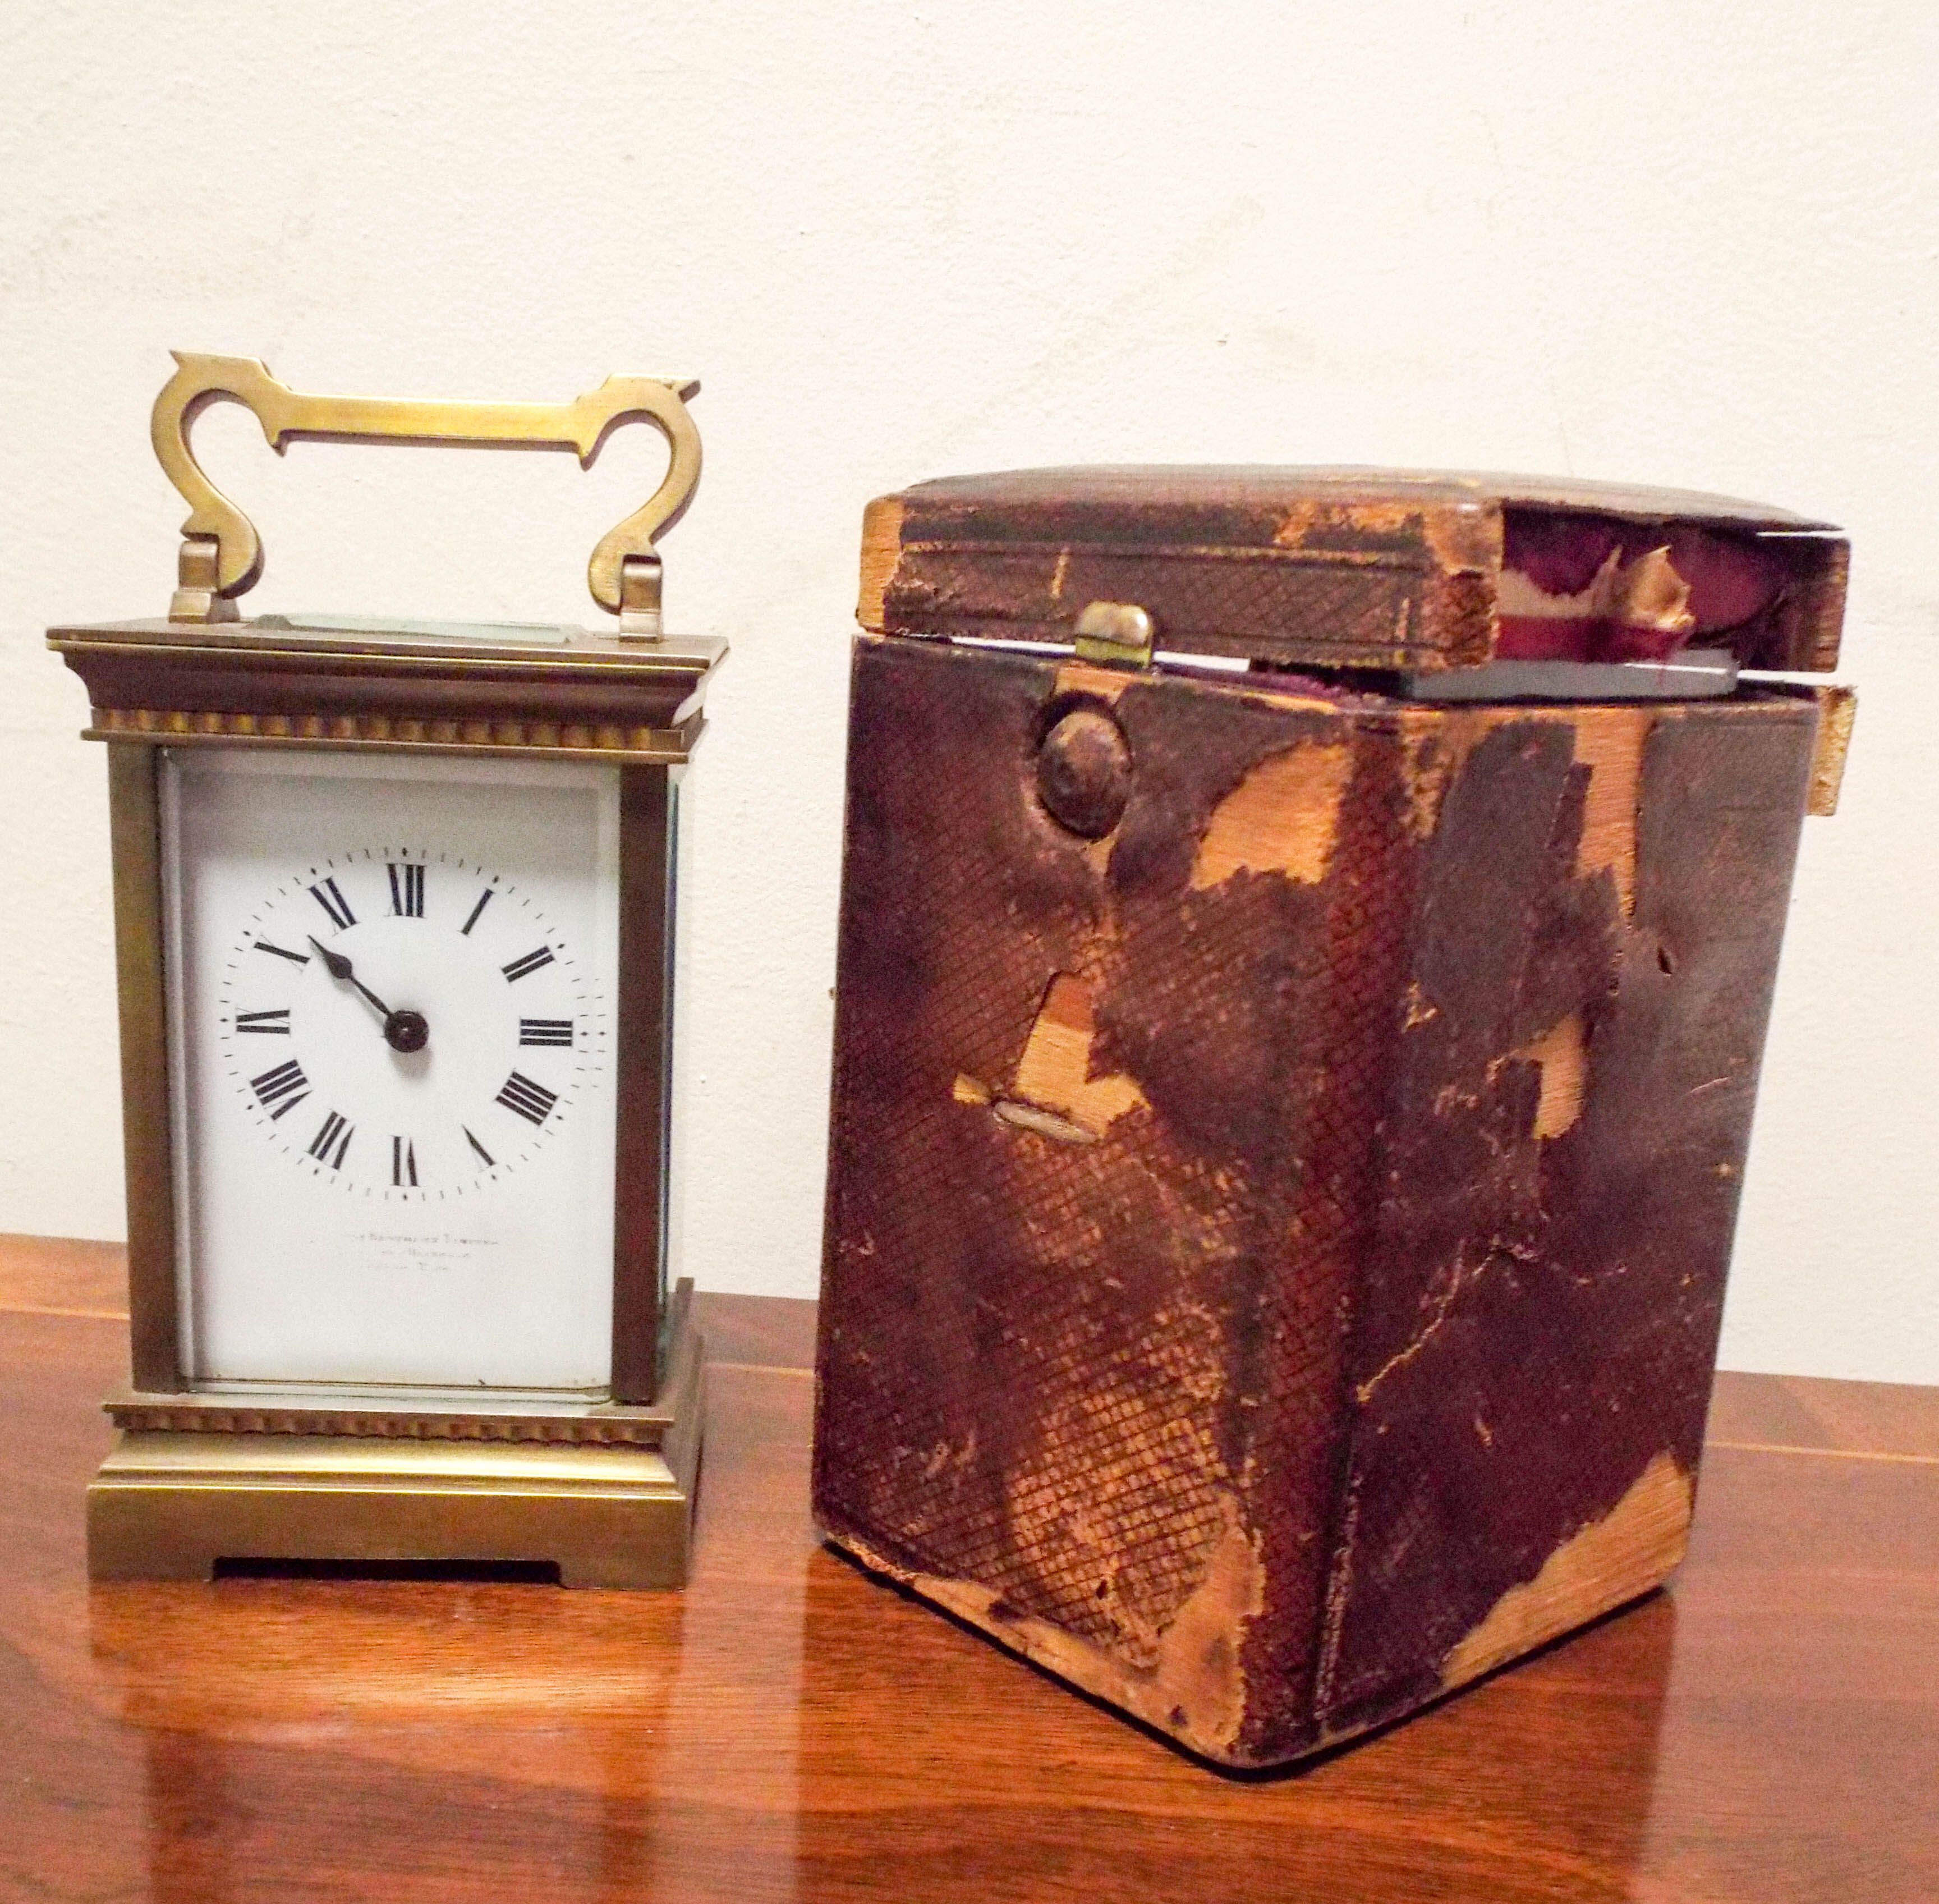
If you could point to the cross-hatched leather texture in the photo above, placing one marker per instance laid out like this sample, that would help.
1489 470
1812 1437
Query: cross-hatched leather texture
1064 1370
1312 610
1260 1242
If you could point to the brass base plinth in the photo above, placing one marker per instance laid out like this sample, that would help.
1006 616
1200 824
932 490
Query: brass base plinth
169 1505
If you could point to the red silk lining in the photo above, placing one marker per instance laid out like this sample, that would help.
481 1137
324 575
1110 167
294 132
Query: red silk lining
1587 588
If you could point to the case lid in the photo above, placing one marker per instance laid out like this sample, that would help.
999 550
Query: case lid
1357 567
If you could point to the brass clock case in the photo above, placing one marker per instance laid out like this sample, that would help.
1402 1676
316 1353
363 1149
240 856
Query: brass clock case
602 1488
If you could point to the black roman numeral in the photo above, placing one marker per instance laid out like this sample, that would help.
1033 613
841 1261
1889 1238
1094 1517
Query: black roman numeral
295 958
543 1031
406 889
404 1163
476 1146
484 900
335 1131
333 902
531 1101
275 1021
531 962
280 1089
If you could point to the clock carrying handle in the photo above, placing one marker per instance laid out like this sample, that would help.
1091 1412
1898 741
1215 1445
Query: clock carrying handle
222 554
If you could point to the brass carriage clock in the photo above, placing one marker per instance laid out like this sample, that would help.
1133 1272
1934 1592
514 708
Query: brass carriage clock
394 933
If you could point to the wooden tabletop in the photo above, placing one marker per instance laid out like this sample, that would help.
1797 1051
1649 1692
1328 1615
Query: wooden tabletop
1766 1729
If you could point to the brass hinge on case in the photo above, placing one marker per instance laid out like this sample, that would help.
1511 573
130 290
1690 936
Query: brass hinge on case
1116 634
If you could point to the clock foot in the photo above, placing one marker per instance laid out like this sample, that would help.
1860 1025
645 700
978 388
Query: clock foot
169 1504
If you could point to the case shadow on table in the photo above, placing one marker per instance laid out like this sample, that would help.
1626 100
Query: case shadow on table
1003 1784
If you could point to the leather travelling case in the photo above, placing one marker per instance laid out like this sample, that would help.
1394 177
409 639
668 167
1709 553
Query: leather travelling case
1306 943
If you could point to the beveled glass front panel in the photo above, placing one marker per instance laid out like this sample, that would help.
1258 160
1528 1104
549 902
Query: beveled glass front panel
393 989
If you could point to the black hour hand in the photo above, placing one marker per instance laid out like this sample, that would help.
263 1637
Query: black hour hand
339 967
405 1030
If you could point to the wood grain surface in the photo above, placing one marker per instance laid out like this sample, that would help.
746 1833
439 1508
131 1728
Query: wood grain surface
1766 1729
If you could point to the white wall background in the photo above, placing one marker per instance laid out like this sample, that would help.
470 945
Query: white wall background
1694 243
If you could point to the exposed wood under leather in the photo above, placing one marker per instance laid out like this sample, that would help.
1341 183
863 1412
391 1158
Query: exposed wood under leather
1837 712
1417 1051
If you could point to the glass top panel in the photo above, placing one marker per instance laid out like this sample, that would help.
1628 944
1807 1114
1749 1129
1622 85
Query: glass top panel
540 634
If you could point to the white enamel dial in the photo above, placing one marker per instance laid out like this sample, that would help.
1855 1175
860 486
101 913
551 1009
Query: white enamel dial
403 1022
393 993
